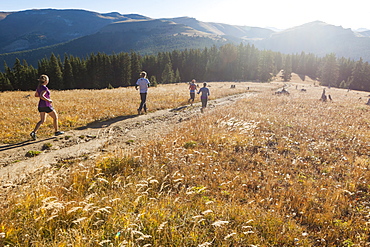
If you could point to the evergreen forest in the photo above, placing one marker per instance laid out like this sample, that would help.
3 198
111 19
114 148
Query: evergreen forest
229 62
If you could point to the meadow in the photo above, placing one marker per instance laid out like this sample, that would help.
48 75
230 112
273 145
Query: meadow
265 171
76 108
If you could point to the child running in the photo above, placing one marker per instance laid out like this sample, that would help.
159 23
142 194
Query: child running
204 96
45 106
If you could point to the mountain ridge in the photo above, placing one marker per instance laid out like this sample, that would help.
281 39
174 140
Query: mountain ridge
319 38
34 34
31 29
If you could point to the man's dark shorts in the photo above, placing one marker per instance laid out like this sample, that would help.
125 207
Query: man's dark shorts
204 102
47 109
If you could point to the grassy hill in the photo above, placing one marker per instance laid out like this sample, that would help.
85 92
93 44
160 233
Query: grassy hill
289 170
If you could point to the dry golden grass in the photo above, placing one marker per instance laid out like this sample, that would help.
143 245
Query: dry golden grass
268 171
77 108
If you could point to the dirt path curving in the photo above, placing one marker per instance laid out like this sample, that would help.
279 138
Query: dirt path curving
89 141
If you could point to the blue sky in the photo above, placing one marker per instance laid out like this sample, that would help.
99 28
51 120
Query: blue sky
261 13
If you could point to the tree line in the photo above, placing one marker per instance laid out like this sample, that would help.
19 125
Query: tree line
225 63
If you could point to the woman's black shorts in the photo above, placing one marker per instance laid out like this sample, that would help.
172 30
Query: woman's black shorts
192 96
46 109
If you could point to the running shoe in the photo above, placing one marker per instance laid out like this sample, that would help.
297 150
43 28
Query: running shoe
59 133
33 135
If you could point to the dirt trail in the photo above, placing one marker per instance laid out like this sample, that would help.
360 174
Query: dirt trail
89 141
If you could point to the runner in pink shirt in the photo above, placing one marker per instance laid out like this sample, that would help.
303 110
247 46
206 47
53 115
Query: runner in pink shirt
45 106
192 88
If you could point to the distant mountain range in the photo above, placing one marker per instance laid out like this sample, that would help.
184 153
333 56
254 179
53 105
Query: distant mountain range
32 29
320 38
35 34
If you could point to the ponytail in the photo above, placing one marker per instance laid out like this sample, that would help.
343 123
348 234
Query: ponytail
42 79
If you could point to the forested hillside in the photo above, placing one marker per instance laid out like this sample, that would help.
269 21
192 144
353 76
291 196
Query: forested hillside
143 37
226 63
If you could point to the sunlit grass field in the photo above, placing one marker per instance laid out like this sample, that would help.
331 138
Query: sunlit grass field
76 108
267 171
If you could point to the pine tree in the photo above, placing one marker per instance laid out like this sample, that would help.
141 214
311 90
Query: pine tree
287 69
30 76
5 83
165 67
79 69
301 66
68 78
9 74
312 66
17 75
279 62
212 66
177 76
153 81
55 72
330 72
151 66
93 71
176 59
228 59
106 76
168 75
266 67
136 67
253 63
346 67
360 76
126 69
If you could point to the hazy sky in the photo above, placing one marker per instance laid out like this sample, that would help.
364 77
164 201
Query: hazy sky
260 13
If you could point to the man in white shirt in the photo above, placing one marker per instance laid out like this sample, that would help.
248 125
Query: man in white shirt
142 83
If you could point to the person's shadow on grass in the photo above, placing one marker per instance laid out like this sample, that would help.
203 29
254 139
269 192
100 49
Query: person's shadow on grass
23 144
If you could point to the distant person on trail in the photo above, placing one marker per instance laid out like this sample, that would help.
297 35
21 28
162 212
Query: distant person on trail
323 96
204 96
45 106
142 83
192 88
